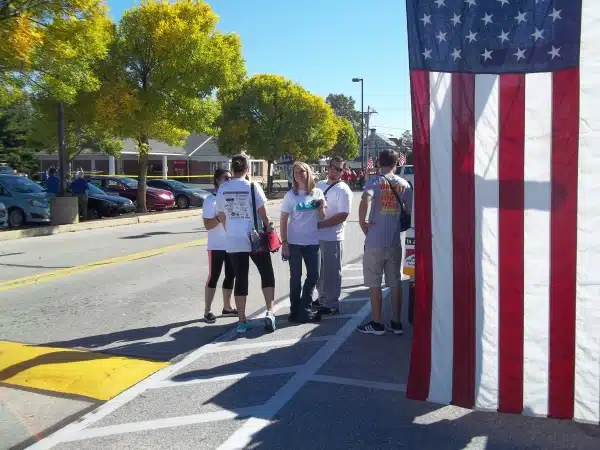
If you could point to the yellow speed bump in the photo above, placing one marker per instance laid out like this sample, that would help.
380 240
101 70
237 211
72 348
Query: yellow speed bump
68 371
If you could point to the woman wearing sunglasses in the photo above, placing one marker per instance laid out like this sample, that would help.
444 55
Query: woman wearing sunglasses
302 209
217 256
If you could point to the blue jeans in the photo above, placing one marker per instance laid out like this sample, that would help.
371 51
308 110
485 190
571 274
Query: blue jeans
301 296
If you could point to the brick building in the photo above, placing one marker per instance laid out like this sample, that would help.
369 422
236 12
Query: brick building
199 156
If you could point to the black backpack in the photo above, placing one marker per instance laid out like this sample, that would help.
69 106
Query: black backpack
405 217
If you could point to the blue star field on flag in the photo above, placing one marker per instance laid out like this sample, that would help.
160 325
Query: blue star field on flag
493 36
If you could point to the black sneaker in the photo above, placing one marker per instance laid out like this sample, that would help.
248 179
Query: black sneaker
325 311
395 327
232 313
316 304
210 318
311 317
372 328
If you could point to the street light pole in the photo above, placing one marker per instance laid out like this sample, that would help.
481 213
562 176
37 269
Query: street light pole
362 120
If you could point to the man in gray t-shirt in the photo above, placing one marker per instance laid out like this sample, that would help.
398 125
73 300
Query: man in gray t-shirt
383 247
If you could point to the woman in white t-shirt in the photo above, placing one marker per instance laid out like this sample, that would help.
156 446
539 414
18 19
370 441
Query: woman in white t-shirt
301 210
217 254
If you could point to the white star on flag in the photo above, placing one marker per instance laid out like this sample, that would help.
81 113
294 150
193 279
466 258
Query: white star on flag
471 3
521 17
503 36
487 18
427 54
440 3
554 52
426 19
520 54
456 19
538 34
504 2
472 36
555 14
441 36
456 54
487 54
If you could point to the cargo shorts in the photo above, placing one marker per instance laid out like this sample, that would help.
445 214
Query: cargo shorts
377 261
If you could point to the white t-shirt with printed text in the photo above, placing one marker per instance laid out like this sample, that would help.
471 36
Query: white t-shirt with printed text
233 198
339 200
216 236
303 216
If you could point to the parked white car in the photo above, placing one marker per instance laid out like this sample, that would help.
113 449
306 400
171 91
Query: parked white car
3 216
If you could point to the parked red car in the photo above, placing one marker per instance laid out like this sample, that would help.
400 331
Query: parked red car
156 199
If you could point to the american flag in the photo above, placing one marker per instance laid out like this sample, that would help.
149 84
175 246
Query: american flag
401 159
506 129
370 162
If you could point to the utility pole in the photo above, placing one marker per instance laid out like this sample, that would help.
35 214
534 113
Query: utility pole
367 119
362 120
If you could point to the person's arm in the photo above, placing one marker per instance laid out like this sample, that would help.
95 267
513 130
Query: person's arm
283 229
261 200
209 224
363 208
345 202
220 209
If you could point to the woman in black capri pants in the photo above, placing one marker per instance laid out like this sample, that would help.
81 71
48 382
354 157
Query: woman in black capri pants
217 256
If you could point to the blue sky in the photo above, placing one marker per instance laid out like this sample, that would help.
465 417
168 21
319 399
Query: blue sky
319 44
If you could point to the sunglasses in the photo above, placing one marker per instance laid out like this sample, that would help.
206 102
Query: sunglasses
338 169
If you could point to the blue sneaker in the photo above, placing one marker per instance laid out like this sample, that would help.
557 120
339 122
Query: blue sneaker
242 327
270 322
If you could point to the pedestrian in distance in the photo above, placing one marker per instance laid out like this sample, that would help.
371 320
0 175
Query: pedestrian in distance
236 213
302 208
338 197
80 188
383 246
217 254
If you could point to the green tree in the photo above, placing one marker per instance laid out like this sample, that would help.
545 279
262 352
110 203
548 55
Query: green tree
165 64
84 130
15 124
347 141
344 106
269 116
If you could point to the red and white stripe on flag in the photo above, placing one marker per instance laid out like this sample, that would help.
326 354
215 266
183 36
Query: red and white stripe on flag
401 158
507 187
370 163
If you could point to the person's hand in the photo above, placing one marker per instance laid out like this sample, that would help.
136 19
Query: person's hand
366 226
285 250
322 204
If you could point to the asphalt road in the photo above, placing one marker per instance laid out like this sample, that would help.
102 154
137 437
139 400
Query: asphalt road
132 298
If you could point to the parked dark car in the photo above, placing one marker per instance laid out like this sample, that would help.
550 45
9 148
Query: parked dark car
156 199
101 204
185 196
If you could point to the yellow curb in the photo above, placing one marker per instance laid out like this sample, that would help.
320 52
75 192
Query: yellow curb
68 371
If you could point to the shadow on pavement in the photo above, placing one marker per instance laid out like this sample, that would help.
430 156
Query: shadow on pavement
160 343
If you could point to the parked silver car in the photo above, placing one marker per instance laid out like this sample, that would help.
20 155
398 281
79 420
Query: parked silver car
25 200
3 216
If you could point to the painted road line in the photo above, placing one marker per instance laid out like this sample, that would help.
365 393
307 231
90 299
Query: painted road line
62 273
398 387
242 438
157 424
266 344
95 375
233 376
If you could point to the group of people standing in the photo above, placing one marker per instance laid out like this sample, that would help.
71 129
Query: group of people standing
312 226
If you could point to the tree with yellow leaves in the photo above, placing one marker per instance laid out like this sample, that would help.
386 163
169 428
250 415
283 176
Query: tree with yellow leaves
51 46
166 63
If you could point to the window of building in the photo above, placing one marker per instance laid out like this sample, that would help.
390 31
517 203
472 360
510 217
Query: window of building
257 169
217 165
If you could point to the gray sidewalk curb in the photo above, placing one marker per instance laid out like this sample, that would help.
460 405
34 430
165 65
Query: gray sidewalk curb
106 223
